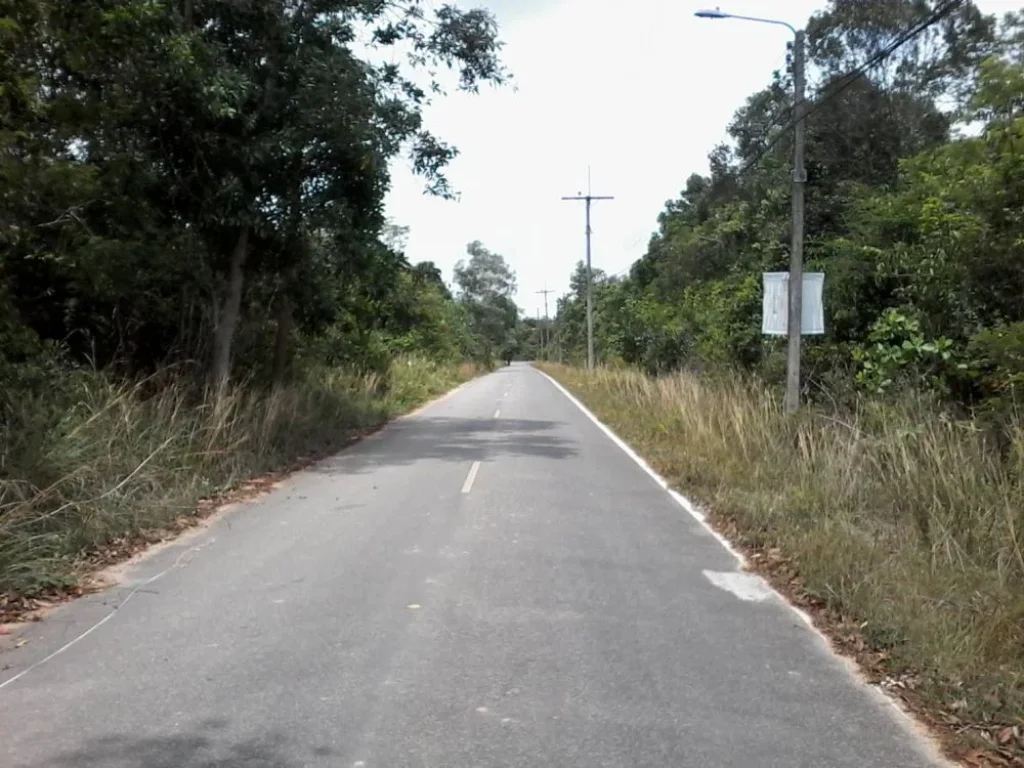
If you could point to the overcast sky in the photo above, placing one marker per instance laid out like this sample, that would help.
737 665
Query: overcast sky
640 92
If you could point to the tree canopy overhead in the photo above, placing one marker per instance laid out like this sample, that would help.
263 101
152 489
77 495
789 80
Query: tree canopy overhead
174 172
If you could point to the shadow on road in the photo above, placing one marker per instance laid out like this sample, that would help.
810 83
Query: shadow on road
452 439
204 748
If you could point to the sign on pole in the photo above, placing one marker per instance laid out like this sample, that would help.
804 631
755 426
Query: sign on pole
775 309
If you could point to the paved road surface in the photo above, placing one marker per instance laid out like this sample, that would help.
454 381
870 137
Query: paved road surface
393 607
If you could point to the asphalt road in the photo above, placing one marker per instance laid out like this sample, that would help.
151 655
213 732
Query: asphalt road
393 607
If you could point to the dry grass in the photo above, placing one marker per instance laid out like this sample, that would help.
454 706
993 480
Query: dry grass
898 515
94 461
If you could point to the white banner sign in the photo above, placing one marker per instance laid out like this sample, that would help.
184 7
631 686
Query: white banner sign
775 310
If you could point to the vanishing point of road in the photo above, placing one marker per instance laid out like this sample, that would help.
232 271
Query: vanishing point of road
490 582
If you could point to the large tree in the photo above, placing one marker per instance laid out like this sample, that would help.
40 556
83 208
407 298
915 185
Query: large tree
173 149
486 287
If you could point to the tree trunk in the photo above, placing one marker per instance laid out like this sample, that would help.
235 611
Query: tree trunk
282 342
227 316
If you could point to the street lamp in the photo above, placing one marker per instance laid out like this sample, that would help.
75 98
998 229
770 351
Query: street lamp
796 254
718 14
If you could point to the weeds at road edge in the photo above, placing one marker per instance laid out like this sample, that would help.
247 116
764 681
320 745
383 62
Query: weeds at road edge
93 468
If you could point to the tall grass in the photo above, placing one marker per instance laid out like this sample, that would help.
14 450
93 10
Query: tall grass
897 514
92 460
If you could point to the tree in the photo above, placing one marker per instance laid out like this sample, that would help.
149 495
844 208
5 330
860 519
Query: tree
941 60
486 285
204 154
916 229
486 276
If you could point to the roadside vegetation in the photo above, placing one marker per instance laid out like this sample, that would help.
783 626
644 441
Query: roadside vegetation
97 460
892 516
895 496
197 281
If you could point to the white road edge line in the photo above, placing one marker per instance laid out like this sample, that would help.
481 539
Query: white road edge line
468 485
109 616
681 500
925 739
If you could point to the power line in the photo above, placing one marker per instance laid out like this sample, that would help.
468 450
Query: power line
851 77
624 270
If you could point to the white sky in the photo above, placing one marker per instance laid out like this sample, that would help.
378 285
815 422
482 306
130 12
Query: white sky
640 94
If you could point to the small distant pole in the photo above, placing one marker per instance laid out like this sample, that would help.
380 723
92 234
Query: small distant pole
545 331
558 338
538 329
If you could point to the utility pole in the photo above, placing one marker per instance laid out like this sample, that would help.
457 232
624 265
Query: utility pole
796 254
545 331
558 337
539 330
588 199
795 285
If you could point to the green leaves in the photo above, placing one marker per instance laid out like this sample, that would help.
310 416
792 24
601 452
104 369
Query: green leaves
898 353
486 285
919 233
141 142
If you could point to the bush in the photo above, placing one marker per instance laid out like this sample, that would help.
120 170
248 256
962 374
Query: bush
898 354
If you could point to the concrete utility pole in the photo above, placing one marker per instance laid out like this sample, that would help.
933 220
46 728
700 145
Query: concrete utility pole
545 330
588 199
540 328
795 287
796 253
558 338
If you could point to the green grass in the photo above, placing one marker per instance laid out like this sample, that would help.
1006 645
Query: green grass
91 461
897 515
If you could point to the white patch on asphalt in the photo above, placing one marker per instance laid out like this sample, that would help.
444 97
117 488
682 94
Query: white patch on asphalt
746 586
471 477
497 413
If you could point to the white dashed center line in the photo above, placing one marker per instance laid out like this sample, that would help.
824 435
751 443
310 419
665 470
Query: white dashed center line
468 485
